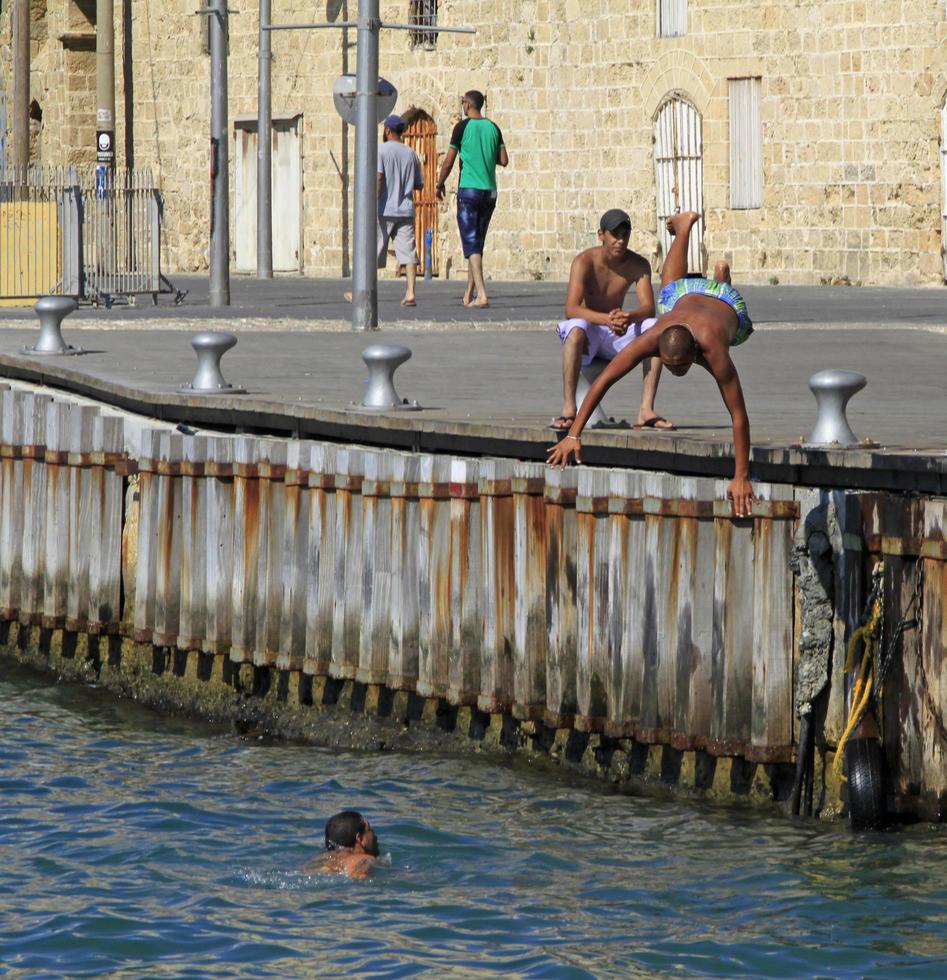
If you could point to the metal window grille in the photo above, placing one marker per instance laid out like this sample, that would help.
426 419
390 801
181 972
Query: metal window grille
746 144
678 170
423 14
672 18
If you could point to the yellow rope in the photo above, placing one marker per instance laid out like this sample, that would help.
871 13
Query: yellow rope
861 692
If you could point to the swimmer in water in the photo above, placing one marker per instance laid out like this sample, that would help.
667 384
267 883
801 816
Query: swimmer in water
351 847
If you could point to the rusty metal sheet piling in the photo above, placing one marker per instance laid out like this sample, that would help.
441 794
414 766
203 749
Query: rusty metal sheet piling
404 609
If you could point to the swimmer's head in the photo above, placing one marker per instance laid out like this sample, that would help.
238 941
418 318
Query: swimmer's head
677 348
349 829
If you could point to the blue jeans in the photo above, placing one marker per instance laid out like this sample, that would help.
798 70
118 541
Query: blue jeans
474 210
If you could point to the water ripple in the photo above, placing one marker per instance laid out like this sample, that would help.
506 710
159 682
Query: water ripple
137 846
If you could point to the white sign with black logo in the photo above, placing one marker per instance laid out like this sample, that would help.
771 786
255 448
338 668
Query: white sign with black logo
104 147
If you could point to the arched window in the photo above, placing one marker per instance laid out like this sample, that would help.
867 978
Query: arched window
678 171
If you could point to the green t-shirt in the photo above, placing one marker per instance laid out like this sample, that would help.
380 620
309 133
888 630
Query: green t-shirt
478 142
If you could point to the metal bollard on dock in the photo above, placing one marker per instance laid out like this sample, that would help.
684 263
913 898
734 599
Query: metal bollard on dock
382 360
210 346
52 310
832 390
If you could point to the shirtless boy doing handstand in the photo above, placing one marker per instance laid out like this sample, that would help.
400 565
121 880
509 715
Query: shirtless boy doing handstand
701 319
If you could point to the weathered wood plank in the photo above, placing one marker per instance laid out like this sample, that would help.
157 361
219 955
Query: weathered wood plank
405 556
771 734
220 533
638 617
55 585
168 541
561 607
320 600
33 528
246 550
292 638
144 613
496 659
84 497
434 576
530 627
193 572
349 555
271 456
374 638
695 621
466 584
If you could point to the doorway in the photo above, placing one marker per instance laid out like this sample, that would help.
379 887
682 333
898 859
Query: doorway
678 171
286 193
421 135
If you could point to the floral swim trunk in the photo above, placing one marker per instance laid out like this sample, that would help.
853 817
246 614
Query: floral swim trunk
673 291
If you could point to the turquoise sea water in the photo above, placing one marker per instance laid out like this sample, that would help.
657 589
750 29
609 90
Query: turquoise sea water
134 846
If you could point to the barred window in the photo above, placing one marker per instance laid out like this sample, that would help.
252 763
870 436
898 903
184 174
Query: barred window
423 14
672 18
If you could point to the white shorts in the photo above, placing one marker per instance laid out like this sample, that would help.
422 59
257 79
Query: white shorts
602 342
401 232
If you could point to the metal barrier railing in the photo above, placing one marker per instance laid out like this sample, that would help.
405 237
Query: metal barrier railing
82 232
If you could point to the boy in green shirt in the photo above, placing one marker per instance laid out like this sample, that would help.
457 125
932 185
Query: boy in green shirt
479 143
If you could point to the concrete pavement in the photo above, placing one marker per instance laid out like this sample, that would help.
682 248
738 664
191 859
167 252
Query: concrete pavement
491 385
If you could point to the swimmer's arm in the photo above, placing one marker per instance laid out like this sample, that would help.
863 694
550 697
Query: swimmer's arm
728 381
575 294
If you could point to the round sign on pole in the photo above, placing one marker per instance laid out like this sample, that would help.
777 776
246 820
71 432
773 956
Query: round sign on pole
343 95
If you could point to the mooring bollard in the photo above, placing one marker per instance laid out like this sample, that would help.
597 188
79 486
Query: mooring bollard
832 390
210 346
382 361
52 310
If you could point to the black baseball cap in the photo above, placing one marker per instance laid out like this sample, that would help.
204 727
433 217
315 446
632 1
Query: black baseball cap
613 219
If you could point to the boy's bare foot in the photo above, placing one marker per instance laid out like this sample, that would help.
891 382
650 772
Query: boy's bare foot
479 304
468 296
347 297
678 223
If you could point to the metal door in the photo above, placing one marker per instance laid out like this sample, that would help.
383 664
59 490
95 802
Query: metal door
678 171
287 194
421 135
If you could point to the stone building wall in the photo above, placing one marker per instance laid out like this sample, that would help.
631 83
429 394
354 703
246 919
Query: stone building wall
851 100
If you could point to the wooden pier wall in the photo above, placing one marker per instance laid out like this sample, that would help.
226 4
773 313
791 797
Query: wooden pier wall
621 603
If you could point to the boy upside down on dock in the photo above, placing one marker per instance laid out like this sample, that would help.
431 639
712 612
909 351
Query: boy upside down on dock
699 321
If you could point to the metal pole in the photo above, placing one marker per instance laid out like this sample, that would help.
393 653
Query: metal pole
219 162
21 84
105 82
264 154
365 273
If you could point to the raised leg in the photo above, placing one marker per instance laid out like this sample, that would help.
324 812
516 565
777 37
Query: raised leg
675 265
722 272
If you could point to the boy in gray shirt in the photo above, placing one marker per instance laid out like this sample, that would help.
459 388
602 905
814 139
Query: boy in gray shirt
399 176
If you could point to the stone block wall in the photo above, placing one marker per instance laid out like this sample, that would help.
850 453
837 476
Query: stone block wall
851 105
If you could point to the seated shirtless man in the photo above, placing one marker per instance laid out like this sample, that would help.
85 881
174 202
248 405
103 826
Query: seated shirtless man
351 847
699 321
597 326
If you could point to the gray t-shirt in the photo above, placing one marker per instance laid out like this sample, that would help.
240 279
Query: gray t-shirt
401 172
